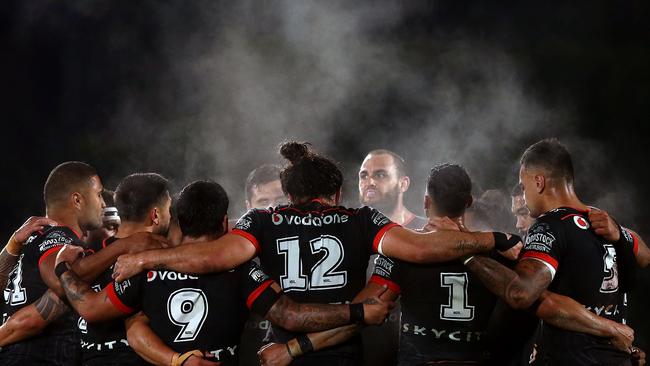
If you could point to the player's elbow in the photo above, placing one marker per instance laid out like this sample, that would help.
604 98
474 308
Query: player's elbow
520 301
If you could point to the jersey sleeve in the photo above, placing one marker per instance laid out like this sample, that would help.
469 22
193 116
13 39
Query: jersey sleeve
126 296
544 242
257 291
627 248
250 227
52 242
386 272
375 225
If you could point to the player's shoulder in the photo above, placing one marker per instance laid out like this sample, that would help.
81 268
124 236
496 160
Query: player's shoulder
51 236
566 217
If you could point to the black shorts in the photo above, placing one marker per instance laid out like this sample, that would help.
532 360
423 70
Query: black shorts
52 351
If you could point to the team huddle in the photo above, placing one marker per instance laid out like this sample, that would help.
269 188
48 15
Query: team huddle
143 276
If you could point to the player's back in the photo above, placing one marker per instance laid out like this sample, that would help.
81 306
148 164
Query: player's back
58 344
445 311
104 343
586 271
317 253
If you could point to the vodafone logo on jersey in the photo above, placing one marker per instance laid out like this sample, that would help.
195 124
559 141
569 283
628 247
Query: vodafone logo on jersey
277 219
169 276
581 222
151 275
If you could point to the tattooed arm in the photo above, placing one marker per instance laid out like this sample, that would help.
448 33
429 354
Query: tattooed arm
519 288
277 354
297 317
7 263
441 246
92 306
32 319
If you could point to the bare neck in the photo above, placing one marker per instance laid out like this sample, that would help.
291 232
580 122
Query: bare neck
64 217
128 228
202 238
401 215
562 196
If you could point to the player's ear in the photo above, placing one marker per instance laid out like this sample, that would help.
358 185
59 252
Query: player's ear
76 199
540 183
470 200
155 216
337 196
427 203
404 184
224 224
248 205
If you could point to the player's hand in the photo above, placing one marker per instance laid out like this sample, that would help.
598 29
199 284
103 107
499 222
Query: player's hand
139 242
127 266
443 223
69 254
604 225
375 310
200 361
622 337
32 224
638 357
512 253
274 354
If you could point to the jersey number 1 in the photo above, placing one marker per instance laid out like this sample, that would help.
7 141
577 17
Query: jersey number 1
323 273
457 308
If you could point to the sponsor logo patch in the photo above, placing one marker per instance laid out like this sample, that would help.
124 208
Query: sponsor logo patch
581 222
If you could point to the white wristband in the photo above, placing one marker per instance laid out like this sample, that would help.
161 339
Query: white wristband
467 260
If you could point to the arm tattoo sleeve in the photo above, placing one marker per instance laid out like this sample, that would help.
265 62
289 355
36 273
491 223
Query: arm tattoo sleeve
307 317
519 289
50 307
7 263
75 288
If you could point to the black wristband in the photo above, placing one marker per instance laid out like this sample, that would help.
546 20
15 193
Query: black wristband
357 314
502 243
61 268
289 351
305 343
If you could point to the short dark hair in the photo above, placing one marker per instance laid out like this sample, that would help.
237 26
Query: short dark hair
109 197
551 156
400 163
261 175
65 179
450 188
201 208
309 174
138 193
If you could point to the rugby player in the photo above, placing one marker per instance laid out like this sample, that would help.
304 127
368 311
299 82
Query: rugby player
523 220
316 250
208 312
36 321
444 322
562 254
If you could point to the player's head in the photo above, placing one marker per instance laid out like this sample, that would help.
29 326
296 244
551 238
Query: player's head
382 180
519 210
544 167
144 198
110 219
174 234
202 210
309 175
263 187
75 187
449 191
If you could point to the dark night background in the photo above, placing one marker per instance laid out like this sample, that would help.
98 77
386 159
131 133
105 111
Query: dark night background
168 87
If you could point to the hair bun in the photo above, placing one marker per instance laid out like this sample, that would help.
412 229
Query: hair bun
294 151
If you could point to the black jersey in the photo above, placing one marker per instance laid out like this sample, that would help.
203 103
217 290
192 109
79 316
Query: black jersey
105 343
317 253
445 311
584 268
197 312
58 344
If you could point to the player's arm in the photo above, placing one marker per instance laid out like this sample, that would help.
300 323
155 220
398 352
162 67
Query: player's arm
10 253
519 288
440 246
92 306
32 319
309 317
566 313
150 347
642 252
223 254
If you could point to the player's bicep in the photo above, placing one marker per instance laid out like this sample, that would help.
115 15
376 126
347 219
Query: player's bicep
46 269
534 277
